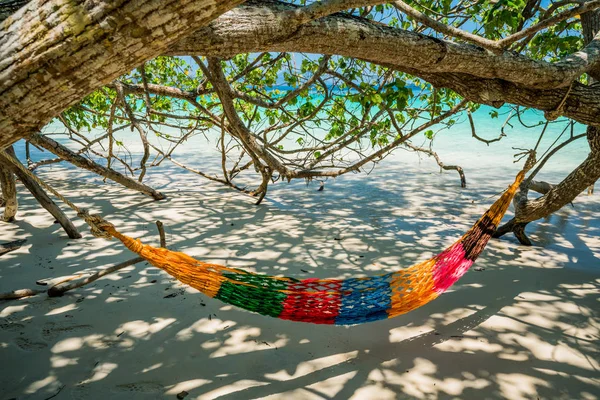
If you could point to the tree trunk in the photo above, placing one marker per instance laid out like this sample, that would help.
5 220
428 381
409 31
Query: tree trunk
560 195
40 195
590 23
55 52
85 163
9 192
584 176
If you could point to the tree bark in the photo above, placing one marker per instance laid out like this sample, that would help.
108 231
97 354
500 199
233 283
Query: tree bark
9 7
55 52
42 198
9 192
85 163
590 23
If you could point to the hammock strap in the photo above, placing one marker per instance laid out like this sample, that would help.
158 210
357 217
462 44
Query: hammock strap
98 225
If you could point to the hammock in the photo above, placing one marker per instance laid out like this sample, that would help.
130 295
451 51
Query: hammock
320 301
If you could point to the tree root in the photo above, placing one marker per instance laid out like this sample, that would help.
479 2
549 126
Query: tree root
517 228
59 286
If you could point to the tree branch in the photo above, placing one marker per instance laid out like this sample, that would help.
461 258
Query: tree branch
250 27
497 46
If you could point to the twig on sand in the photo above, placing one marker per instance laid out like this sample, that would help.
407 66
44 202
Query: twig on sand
56 394
20 293
60 286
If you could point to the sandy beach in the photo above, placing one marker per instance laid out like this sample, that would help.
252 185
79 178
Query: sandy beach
525 326
197 199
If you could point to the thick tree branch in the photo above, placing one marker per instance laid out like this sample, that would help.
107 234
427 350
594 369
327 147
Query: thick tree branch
237 126
251 26
579 102
40 195
565 192
55 52
320 9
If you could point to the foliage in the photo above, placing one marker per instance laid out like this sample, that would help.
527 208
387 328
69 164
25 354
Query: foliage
315 115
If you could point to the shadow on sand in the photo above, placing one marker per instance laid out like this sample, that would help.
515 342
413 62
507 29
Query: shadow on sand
527 326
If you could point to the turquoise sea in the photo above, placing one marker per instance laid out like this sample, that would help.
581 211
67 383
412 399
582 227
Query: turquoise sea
454 145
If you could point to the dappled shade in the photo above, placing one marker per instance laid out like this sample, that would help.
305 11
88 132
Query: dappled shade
331 301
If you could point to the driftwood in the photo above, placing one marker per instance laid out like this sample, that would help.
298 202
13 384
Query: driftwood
59 286
18 294
11 246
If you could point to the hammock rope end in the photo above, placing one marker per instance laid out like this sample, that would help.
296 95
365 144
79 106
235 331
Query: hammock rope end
99 227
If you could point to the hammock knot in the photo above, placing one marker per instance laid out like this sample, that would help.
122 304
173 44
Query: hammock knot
98 225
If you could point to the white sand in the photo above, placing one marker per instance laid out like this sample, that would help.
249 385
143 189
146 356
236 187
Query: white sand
526 327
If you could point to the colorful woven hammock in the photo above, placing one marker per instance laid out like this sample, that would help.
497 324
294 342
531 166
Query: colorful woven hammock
320 301
331 301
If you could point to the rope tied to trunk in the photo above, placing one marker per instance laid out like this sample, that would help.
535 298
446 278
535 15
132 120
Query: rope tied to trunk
98 225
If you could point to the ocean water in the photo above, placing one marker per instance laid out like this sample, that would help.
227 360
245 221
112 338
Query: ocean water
455 146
